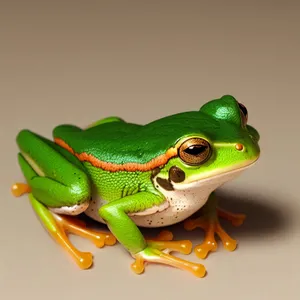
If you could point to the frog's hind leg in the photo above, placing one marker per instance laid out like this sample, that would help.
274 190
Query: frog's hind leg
57 185
58 226
57 230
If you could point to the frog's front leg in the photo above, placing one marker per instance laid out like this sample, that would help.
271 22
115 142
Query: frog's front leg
115 214
56 185
209 222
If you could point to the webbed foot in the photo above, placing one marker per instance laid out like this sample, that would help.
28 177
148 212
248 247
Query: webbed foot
64 225
78 227
211 225
158 250
164 241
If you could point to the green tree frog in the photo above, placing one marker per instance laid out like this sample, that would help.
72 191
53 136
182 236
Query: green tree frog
129 176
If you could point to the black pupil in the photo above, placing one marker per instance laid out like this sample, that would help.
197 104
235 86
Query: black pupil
195 150
243 109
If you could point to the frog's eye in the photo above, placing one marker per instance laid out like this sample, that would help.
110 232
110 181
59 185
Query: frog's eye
244 113
194 151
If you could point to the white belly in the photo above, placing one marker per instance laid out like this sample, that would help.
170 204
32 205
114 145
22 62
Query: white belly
181 203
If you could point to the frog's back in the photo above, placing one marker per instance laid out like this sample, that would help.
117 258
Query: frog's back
103 141
122 143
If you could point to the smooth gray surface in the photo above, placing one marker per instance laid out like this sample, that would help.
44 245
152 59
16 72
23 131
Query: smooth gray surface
77 61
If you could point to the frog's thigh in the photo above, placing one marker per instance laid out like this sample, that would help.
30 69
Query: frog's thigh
115 214
54 180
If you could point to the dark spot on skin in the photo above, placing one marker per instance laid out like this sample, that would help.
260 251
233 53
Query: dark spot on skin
165 184
176 174
155 172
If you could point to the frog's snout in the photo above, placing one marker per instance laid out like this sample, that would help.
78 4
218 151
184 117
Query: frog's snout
249 147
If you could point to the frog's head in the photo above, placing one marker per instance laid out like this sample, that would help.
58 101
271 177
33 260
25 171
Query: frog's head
222 143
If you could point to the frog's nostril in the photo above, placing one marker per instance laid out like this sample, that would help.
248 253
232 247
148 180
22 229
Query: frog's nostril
239 147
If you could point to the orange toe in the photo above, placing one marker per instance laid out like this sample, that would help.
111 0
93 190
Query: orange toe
234 219
19 189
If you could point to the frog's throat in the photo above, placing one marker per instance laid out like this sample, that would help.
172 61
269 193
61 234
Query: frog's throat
130 167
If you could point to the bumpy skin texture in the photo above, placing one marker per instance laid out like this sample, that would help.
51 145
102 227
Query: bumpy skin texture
117 185
118 161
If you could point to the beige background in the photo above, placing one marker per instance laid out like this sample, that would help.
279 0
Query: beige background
78 61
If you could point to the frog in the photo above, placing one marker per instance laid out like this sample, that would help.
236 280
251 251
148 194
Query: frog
131 176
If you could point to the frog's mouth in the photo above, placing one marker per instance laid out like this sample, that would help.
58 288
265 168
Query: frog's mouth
221 175
209 179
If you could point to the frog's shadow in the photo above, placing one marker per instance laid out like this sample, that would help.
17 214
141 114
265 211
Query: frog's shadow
263 218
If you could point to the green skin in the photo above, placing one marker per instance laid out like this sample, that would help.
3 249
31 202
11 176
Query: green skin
58 178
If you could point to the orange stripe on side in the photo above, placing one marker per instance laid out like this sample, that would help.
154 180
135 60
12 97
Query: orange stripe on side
130 167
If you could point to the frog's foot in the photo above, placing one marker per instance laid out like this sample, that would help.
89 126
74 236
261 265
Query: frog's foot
164 242
59 226
211 226
158 250
154 255
78 227
234 219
